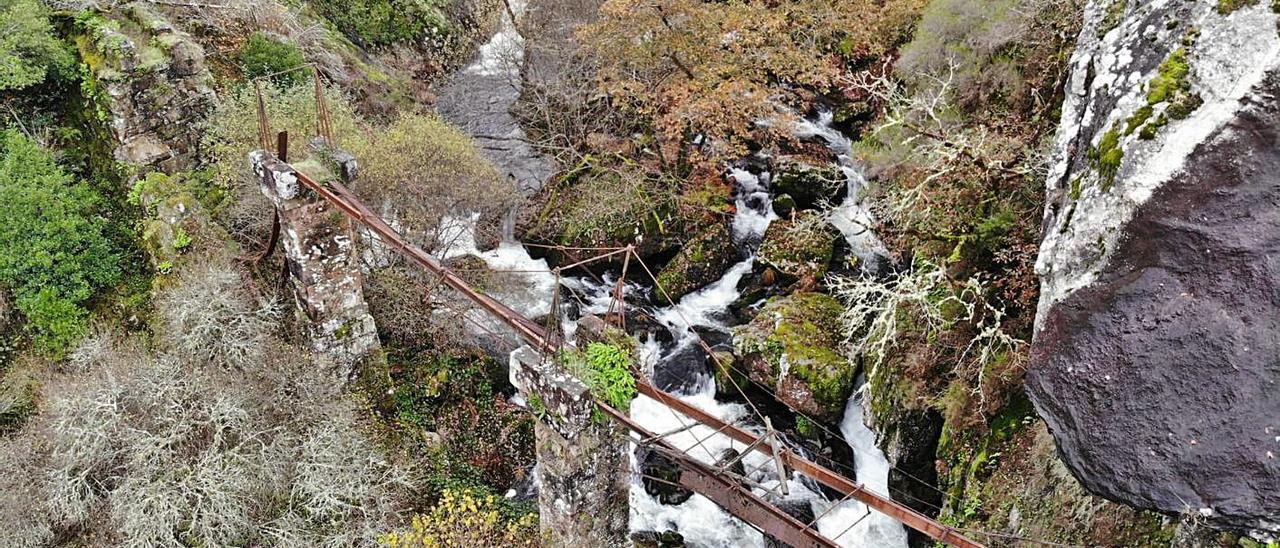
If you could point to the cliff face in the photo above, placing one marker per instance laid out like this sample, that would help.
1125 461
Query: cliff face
1157 349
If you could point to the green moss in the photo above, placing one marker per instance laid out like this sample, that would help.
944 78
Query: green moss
1171 77
1107 157
799 248
1139 117
802 332
1113 17
700 262
1150 130
1076 186
1225 7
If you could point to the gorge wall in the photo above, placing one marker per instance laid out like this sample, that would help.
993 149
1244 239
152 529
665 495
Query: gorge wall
1157 346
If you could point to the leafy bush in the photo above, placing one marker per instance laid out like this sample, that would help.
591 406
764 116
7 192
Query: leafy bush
262 55
606 369
480 440
418 166
380 23
464 519
689 66
428 170
53 250
29 52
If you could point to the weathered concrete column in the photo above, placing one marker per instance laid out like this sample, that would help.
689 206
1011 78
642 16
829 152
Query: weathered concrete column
583 473
324 270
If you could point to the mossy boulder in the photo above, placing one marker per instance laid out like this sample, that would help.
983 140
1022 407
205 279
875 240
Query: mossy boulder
800 248
700 262
793 346
810 186
594 205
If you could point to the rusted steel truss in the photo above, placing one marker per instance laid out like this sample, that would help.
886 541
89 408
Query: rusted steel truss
696 476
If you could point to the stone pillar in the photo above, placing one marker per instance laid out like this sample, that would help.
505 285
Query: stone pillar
583 472
324 270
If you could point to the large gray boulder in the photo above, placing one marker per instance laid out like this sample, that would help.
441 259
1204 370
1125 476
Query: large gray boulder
1156 359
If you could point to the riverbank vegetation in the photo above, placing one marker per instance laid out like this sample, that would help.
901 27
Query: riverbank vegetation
156 383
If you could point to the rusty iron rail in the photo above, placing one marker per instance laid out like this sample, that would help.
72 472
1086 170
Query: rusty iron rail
728 492
822 474
695 475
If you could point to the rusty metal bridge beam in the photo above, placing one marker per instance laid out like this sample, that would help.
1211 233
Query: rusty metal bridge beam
728 493
822 474
696 476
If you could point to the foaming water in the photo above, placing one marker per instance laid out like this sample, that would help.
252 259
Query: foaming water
852 217
872 471
526 283
754 206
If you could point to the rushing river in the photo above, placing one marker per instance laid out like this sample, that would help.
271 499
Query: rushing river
478 99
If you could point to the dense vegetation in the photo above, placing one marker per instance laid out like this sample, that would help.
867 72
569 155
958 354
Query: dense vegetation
156 386
56 254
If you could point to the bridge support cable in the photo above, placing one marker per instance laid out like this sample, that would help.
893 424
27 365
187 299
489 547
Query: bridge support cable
696 476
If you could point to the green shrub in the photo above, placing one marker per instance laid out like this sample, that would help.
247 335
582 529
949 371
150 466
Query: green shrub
262 55
381 23
606 369
54 253
29 52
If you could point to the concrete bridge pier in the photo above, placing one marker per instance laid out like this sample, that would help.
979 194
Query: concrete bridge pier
583 472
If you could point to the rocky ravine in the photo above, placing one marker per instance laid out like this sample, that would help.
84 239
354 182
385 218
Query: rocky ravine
1157 350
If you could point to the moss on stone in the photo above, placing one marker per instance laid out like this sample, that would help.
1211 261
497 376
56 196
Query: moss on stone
1225 7
799 248
1107 157
797 339
1139 117
1112 18
701 261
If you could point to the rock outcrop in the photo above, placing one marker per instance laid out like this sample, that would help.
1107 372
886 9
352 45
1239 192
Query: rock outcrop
150 84
1156 358
792 346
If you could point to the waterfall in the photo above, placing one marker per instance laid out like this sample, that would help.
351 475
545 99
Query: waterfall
852 217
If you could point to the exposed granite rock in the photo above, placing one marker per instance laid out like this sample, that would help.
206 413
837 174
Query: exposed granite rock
792 345
151 84
1157 348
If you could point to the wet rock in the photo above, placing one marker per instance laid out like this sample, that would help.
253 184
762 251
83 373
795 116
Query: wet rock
700 262
661 477
799 509
1155 352
799 249
682 370
728 455
793 346
784 205
657 539
809 186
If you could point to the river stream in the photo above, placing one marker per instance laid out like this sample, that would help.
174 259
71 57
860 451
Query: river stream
478 99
